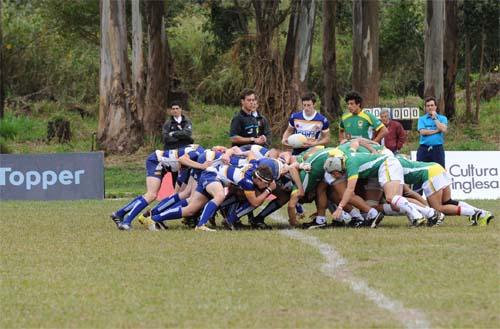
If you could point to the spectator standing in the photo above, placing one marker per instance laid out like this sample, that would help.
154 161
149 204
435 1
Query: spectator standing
245 125
396 135
177 130
431 126
309 123
357 122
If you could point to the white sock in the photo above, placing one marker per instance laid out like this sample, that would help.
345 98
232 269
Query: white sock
320 219
345 217
402 203
466 205
466 211
426 211
391 212
355 213
372 213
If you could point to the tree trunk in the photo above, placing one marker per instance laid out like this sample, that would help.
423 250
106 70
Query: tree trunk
138 71
158 77
433 62
2 91
298 47
468 70
478 82
450 57
291 40
118 129
267 73
330 103
304 42
365 75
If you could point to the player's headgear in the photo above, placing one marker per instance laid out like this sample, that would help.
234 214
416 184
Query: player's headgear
264 173
333 164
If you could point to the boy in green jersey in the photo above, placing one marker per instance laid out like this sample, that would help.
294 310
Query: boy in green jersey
357 122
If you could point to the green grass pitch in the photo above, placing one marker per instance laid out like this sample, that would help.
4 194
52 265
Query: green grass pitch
64 264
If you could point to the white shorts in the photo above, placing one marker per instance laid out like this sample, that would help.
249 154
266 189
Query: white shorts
437 181
390 170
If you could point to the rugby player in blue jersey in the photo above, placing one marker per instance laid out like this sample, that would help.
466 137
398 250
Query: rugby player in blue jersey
256 182
157 165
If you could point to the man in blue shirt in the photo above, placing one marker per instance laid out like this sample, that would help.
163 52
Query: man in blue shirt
431 127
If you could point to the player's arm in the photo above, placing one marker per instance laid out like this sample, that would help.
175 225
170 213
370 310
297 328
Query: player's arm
255 200
185 160
349 192
380 133
324 137
294 174
366 143
288 132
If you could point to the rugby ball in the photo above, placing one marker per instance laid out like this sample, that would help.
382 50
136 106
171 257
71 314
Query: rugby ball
296 140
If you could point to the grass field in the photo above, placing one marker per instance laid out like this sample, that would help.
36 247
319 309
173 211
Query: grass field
64 264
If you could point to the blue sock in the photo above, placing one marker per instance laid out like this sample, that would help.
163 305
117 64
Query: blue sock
139 205
299 208
165 204
207 213
125 209
232 217
172 213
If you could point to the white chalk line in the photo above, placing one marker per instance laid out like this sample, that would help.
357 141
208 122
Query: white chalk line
335 267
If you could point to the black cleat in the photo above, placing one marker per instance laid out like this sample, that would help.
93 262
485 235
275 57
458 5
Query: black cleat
259 225
116 220
313 225
376 221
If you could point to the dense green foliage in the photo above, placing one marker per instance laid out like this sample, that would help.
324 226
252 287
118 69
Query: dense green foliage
54 46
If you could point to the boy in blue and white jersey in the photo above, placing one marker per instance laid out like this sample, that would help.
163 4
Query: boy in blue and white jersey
314 126
158 164
256 182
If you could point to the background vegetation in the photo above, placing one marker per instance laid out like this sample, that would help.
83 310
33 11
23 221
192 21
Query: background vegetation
51 60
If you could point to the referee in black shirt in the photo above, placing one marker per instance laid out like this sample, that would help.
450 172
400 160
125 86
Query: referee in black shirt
246 127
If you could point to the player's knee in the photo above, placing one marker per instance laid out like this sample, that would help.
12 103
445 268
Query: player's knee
451 202
150 196
219 197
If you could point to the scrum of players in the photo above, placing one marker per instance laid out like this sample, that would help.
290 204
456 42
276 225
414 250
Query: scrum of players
354 185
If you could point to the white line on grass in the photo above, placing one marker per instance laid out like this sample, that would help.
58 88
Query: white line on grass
335 268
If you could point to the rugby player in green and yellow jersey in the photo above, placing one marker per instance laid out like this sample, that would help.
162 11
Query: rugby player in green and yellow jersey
386 168
357 122
436 184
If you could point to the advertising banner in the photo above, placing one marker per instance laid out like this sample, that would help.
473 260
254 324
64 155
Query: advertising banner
474 174
59 176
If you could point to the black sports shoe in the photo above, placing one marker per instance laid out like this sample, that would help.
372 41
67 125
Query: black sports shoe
259 225
337 223
357 222
474 218
313 225
116 220
433 220
161 226
377 220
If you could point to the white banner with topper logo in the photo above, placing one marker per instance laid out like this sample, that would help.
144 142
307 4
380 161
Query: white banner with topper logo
474 174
